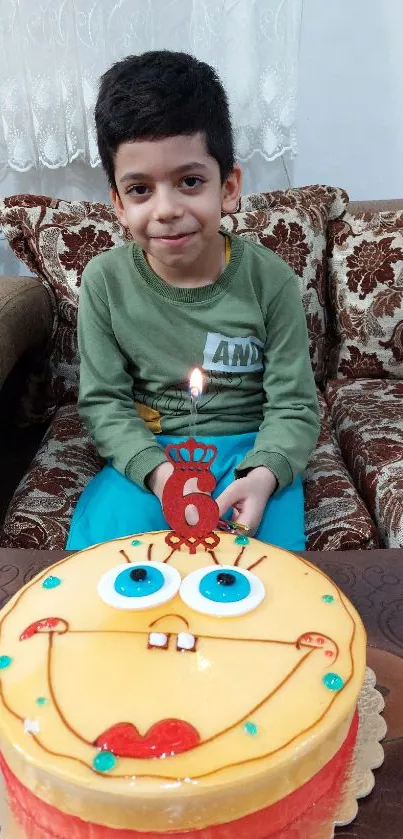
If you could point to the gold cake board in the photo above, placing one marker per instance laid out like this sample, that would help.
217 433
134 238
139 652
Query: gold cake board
368 755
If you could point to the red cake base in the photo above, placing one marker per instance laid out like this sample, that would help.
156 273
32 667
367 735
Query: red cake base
282 820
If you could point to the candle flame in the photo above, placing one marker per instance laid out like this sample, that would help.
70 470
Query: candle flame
196 383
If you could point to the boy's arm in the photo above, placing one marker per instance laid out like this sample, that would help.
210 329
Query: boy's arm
106 400
290 426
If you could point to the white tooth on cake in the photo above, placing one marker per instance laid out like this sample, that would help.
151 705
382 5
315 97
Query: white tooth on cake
31 726
158 639
186 641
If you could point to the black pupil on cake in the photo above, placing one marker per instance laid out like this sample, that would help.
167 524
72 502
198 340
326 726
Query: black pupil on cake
225 579
138 575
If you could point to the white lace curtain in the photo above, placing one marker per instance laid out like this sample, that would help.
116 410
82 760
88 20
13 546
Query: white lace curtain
52 53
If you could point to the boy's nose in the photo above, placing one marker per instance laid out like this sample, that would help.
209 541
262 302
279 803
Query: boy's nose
166 207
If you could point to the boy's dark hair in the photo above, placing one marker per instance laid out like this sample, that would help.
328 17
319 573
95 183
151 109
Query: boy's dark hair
162 94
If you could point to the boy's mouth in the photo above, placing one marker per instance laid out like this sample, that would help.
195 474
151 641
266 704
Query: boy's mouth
175 240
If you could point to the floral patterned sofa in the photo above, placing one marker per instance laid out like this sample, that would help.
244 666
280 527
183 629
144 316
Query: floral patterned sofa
349 260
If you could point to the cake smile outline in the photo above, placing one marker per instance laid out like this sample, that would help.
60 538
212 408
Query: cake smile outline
311 641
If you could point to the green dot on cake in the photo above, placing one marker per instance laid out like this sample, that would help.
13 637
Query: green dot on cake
332 681
104 762
241 540
51 582
250 728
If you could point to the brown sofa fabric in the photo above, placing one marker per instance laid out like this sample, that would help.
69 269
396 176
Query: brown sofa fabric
367 416
25 319
56 239
336 518
41 508
375 206
365 284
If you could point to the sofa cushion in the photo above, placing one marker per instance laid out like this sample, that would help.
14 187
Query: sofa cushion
368 419
365 254
293 223
335 516
40 511
56 239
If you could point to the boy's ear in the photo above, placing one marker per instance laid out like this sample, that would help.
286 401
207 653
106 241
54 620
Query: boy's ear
117 203
231 190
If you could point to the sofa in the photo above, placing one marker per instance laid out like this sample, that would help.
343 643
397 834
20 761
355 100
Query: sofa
348 258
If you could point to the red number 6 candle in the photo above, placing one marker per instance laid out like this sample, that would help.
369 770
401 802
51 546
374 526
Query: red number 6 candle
174 502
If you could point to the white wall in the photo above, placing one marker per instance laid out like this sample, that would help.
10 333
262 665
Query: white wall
350 100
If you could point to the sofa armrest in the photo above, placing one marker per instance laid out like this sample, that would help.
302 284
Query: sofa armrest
392 205
25 319
336 517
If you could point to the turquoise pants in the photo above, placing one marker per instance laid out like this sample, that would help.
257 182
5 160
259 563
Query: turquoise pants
112 506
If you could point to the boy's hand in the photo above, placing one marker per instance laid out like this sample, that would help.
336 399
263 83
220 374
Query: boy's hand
158 477
248 497
156 483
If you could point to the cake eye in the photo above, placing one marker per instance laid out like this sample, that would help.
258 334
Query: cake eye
222 592
139 585
139 581
224 586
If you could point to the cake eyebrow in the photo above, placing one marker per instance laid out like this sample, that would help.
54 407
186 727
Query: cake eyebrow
254 564
212 554
239 557
149 554
169 555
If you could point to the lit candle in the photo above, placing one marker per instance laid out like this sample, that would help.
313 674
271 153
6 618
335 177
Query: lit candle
191 460
196 384
195 390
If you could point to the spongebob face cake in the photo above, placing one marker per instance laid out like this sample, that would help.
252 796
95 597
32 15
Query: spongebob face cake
145 689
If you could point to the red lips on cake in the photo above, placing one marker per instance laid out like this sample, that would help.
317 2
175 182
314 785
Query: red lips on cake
164 739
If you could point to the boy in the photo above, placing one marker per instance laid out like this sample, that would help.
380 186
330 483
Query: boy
185 295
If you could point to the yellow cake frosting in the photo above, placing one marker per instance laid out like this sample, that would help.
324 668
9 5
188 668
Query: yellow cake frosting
262 689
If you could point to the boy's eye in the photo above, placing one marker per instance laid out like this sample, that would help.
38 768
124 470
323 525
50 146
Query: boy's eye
137 189
192 181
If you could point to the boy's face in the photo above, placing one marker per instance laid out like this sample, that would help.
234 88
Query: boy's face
170 196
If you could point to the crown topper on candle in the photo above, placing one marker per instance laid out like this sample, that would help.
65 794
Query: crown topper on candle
191 455
191 460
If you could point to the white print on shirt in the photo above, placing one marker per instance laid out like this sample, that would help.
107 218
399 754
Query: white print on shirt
242 355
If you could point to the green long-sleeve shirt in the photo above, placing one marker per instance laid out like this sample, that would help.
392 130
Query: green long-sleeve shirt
139 338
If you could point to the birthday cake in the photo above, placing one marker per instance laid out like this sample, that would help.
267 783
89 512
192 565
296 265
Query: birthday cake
148 690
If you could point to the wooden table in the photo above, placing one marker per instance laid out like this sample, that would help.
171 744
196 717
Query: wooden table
373 580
